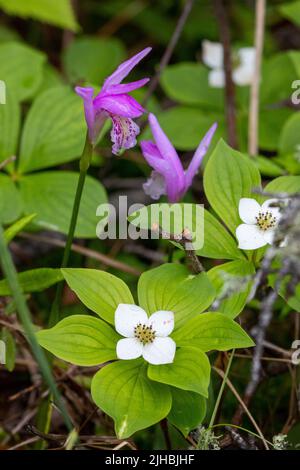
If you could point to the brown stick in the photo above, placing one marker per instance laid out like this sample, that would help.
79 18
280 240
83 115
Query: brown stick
254 96
230 102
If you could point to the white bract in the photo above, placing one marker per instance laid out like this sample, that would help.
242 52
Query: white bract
147 337
243 64
260 222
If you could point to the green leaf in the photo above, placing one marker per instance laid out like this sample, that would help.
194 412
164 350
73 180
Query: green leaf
61 136
231 275
98 290
291 298
267 166
189 371
289 140
291 11
123 391
21 67
92 59
9 124
172 287
10 349
10 200
229 176
270 127
81 340
12 231
210 331
185 126
34 280
284 184
218 242
50 195
56 12
187 83
188 410
282 70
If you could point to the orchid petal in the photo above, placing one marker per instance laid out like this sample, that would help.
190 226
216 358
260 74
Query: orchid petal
129 348
123 133
127 316
124 69
212 54
155 186
198 156
249 210
161 351
250 237
121 105
86 93
127 87
162 322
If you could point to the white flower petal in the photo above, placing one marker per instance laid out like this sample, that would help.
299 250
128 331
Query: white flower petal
250 237
267 206
127 316
248 210
162 322
129 348
216 78
243 74
269 235
247 56
161 351
212 54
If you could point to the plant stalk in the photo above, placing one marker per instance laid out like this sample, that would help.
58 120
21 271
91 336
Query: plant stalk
213 416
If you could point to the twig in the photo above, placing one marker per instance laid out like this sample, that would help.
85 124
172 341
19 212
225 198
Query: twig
170 49
84 251
254 94
230 104
213 416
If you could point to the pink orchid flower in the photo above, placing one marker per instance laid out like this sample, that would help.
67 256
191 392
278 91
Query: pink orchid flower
114 102
168 176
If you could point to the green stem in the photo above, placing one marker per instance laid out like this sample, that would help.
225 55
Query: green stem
213 416
24 315
84 164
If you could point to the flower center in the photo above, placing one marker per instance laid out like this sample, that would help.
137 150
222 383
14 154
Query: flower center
265 220
144 333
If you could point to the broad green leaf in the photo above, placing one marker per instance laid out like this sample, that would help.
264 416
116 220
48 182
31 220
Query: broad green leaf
54 130
187 83
51 79
92 59
10 349
98 290
282 70
80 339
291 11
123 391
186 126
9 125
231 276
284 184
50 195
271 123
289 139
291 298
218 242
172 287
17 227
10 200
34 280
21 67
56 12
189 371
229 176
268 167
210 331
188 410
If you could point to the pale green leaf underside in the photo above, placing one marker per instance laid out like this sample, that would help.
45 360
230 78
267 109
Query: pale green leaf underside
98 290
189 371
81 340
212 330
284 184
123 391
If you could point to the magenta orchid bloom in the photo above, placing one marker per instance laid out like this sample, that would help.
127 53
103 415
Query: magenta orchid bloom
168 176
114 102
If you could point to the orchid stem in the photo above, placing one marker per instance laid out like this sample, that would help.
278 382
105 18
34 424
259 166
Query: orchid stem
213 416
24 315
84 164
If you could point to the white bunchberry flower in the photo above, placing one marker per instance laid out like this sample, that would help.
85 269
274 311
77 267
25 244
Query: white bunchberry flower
243 61
147 337
260 222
